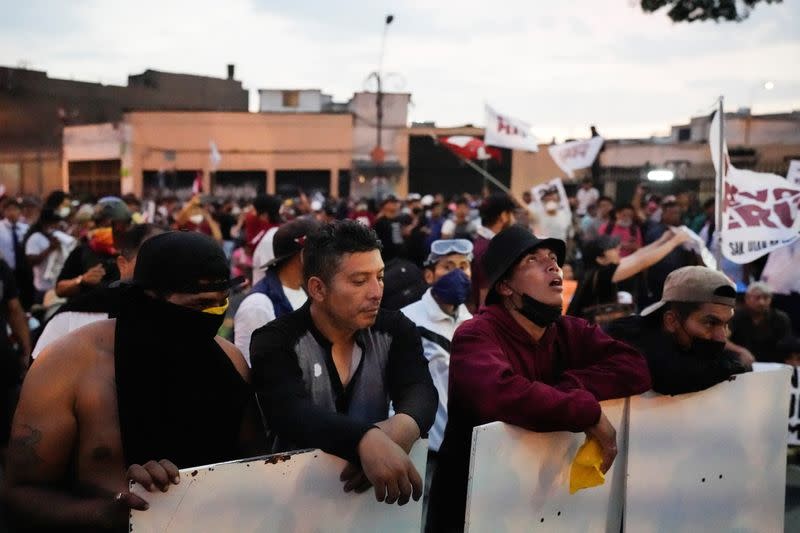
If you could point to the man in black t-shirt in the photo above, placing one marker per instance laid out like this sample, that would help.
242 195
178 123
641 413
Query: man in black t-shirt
12 362
325 374
93 264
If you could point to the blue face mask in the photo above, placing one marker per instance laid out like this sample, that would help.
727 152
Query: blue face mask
452 288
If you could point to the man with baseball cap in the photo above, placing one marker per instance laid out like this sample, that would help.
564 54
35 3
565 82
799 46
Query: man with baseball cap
521 362
280 291
684 335
93 264
132 398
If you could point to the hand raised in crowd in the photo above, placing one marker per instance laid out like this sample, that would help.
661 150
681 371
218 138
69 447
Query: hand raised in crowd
387 467
605 434
678 236
94 275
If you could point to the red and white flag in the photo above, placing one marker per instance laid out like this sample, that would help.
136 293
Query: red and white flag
470 148
508 132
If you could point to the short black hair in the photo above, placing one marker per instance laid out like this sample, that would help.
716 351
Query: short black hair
606 199
711 202
325 248
131 240
494 206
269 204
462 200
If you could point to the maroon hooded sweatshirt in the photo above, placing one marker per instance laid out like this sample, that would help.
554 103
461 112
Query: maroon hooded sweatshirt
498 373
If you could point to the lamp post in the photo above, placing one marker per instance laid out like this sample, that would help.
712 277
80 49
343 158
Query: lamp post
378 152
762 85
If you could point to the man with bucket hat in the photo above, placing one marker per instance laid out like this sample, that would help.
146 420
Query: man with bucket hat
684 336
521 362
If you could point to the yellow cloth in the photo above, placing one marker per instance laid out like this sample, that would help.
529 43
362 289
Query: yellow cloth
585 471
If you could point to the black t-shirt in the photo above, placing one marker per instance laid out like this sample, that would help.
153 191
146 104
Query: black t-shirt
8 292
761 339
82 259
390 232
674 369
595 288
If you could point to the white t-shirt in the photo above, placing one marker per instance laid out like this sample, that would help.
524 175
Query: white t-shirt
46 273
257 310
586 197
263 254
64 323
557 226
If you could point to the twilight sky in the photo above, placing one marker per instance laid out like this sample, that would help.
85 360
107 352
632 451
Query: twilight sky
560 64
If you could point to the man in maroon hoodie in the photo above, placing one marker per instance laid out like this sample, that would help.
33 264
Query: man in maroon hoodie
520 362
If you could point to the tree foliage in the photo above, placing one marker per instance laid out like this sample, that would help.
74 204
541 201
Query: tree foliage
694 10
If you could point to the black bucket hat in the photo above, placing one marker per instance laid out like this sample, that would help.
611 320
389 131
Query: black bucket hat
507 248
183 262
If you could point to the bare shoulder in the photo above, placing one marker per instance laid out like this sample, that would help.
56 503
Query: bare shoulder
72 353
236 357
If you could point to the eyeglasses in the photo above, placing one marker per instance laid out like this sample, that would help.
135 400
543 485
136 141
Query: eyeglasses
451 246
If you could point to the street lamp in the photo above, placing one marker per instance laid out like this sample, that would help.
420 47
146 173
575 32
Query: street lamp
764 85
660 175
378 153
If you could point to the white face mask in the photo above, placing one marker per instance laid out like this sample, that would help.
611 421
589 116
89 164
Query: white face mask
63 211
196 219
551 206
236 211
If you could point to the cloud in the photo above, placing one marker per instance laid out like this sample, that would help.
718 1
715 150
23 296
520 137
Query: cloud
559 65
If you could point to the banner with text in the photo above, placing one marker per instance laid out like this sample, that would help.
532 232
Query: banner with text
508 132
575 155
760 211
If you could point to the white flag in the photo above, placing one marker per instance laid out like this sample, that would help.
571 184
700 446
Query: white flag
574 155
794 171
214 156
760 211
508 132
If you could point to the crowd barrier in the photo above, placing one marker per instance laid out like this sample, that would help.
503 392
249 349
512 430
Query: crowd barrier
298 492
714 460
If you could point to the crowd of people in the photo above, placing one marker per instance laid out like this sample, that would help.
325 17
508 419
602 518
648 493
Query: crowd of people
144 337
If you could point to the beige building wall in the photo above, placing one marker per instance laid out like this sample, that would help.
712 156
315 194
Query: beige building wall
246 141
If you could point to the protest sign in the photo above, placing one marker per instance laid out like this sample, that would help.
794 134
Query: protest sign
539 190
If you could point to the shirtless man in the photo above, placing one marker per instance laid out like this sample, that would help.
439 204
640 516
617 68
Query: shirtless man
131 398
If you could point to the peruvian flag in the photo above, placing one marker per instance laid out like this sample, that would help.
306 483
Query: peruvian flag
470 148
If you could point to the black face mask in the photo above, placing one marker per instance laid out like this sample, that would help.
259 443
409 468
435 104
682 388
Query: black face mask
178 320
707 347
537 312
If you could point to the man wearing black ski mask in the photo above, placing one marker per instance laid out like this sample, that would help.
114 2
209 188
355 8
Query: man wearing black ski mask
135 397
521 362
685 335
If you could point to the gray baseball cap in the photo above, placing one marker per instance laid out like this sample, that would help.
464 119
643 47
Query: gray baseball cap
695 284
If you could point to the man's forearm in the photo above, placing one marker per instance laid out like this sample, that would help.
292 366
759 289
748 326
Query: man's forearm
19 327
402 429
34 506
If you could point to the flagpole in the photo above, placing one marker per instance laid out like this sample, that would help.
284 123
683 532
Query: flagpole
718 198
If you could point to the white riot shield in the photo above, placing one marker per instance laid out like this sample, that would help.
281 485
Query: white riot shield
714 460
519 481
297 493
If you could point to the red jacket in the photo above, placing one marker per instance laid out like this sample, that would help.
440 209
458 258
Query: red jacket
498 373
